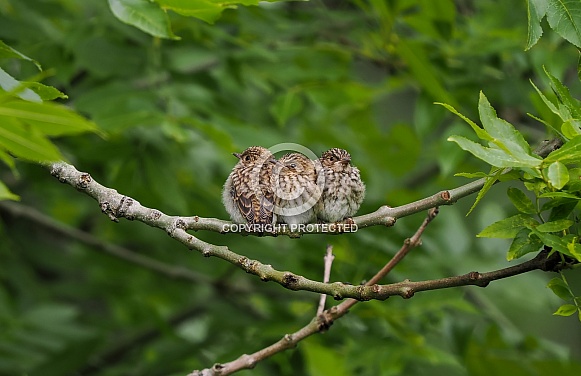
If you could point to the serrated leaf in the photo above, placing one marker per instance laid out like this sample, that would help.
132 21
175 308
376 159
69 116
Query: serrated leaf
555 226
494 157
566 310
564 17
51 119
5 193
144 15
536 11
508 228
481 133
522 244
45 92
570 152
546 100
558 175
488 183
563 93
520 201
557 129
26 143
504 135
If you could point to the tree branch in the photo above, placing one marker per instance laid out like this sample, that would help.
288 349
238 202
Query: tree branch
329 257
406 289
116 206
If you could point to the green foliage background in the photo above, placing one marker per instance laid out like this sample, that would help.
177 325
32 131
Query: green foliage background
361 75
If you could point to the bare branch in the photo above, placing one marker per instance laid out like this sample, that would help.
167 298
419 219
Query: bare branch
405 289
329 257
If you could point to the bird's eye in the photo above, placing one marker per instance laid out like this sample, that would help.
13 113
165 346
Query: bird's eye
247 158
292 165
332 158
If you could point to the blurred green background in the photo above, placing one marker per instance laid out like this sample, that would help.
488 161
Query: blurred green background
360 75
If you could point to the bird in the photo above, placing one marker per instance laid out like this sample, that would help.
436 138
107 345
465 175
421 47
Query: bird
247 194
343 190
295 189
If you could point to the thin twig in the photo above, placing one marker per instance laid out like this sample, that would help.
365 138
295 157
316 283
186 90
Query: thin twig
405 289
320 322
329 257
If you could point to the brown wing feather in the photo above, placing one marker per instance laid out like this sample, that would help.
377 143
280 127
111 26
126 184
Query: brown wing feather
266 208
244 204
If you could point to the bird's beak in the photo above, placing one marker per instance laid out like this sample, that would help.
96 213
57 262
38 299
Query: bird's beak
237 155
345 160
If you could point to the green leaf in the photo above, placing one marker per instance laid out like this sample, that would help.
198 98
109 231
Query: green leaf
10 84
570 152
472 175
45 92
564 17
144 15
563 93
559 195
546 100
560 288
523 243
7 159
520 201
536 11
481 133
558 175
566 310
574 184
26 143
489 182
561 209
504 135
558 243
8 52
547 124
555 226
575 249
5 193
205 10
508 228
571 128
494 157
51 119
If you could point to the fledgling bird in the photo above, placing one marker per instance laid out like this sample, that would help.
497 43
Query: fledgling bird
295 189
247 194
343 190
